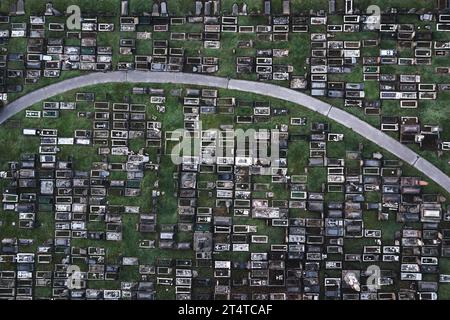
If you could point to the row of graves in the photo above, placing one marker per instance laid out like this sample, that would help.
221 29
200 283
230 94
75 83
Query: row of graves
75 198
402 198
411 131
330 56
410 89
263 64
288 269
51 49
214 232
114 125
416 251
45 184
47 56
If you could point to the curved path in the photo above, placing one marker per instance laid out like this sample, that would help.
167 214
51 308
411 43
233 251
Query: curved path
348 120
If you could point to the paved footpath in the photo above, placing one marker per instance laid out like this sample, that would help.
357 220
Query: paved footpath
348 120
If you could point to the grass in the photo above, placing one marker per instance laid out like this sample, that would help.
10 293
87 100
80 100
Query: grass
430 112
167 207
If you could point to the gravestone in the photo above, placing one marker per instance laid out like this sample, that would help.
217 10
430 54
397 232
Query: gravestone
164 12
235 9
20 8
155 10
244 9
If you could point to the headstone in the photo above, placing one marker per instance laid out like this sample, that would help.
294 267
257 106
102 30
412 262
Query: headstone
164 12
155 10
267 8
208 6
286 7
235 9
331 6
12 9
124 8
244 9
198 8
20 9
216 7
348 6
49 9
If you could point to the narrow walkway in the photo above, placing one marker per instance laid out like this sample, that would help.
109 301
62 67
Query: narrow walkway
348 120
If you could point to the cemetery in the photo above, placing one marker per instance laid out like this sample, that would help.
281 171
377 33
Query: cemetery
173 190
